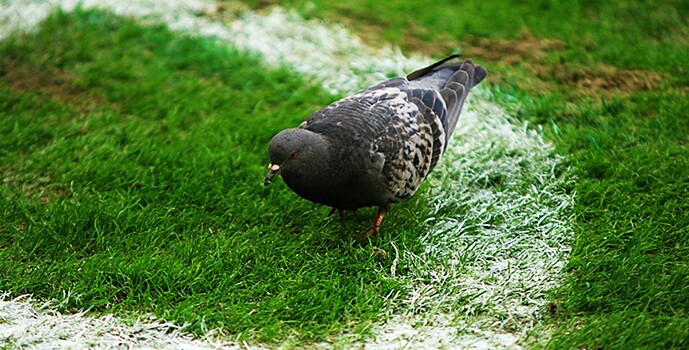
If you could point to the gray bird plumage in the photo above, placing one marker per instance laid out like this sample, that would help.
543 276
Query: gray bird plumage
375 148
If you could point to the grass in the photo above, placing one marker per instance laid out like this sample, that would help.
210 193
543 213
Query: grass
132 159
609 80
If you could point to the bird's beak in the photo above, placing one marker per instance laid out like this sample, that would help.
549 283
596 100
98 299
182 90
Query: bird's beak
273 170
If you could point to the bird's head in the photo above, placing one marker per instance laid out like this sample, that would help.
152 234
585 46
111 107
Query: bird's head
295 152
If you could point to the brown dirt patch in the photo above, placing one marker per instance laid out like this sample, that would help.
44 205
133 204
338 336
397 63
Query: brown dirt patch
527 48
58 84
601 77
41 188
536 55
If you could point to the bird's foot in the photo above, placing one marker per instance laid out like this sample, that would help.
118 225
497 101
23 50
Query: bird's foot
341 212
373 231
382 210
343 216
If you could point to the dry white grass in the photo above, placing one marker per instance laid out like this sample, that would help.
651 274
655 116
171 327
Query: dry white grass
499 256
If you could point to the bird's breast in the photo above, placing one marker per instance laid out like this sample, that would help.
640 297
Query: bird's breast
344 188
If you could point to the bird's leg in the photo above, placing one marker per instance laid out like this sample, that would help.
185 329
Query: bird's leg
382 210
343 217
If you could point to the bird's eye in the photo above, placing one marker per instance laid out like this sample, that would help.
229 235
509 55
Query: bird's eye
293 155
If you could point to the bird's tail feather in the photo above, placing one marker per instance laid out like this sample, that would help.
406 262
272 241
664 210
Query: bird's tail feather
457 88
453 80
419 73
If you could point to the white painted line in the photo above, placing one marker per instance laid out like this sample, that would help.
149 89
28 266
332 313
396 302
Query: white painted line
512 238
23 325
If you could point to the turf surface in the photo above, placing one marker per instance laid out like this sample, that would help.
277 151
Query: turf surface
124 175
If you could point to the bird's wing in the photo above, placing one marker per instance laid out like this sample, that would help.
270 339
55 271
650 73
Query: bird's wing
398 126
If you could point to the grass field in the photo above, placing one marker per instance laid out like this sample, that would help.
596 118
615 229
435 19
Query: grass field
132 158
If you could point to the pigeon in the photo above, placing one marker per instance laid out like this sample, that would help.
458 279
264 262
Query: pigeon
375 147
